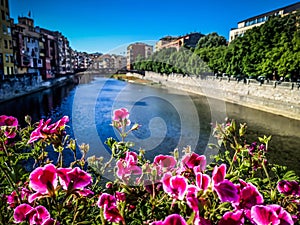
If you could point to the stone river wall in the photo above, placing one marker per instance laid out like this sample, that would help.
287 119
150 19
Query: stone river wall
282 99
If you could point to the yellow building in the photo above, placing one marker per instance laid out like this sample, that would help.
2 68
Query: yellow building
258 20
6 47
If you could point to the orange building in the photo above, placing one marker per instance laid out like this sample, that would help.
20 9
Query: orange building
137 49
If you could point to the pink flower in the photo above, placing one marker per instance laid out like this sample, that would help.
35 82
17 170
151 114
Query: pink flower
218 174
289 187
249 196
43 180
9 124
193 160
109 204
202 181
128 167
75 178
191 197
38 215
120 114
35 216
43 130
175 186
13 199
58 126
112 214
270 214
174 219
165 162
40 132
232 218
227 191
121 118
20 212
106 200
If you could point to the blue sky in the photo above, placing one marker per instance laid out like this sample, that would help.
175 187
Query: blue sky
109 26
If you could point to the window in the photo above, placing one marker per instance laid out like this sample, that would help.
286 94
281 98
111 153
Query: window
11 58
5 44
3 15
7 58
8 30
4 28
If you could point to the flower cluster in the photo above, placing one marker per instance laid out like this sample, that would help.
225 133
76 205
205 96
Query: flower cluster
35 216
44 130
8 125
239 187
44 181
188 183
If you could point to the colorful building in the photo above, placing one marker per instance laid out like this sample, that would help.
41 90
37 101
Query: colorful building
6 47
137 50
188 41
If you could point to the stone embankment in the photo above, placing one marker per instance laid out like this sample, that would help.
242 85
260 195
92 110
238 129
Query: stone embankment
17 87
281 99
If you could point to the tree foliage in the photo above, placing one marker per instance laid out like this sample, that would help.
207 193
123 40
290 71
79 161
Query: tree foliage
271 50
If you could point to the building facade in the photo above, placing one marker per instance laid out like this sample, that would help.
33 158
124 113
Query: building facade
258 20
189 41
137 50
6 47
40 51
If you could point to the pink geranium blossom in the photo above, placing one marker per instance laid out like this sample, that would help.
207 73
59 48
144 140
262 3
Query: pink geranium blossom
106 200
75 178
44 129
9 124
20 212
120 114
13 199
289 187
112 214
43 180
35 216
174 219
226 190
175 186
249 196
127 167
270 214
194 160
218 174
202 181
121 118
191 197
109 204
164 162
232 218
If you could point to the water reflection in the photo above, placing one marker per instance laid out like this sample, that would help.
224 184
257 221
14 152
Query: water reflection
169 118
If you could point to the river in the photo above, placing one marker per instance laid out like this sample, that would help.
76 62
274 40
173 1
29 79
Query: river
169 118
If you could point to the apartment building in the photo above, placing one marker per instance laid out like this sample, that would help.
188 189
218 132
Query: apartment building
189 41
40 51
137 49
26 47
258 20
108 63
6 48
